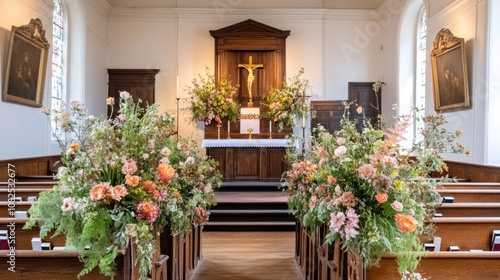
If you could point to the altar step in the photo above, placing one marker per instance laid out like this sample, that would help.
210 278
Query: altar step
249 186
250 211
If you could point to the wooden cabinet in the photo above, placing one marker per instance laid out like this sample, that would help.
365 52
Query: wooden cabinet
140 83
329 113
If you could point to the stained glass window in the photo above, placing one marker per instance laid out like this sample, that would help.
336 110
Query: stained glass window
421 58
58 95
421 62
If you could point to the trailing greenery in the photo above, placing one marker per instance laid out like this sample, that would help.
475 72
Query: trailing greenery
123 180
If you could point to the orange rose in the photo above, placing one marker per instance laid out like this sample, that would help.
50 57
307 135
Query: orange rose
100 191
149 186
118 192
165 172
381 197
331 180
406 223
73 148
132 180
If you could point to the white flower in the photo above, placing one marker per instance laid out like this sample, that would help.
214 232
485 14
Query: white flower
124 95
189 160
68 204
208 188
165 151
340 151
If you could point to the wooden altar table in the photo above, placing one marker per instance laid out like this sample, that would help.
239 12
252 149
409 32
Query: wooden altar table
250 159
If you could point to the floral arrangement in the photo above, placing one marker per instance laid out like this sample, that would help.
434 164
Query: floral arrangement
211 101
287 104
372 193
122 180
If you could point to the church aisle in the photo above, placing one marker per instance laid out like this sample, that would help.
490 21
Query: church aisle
248 256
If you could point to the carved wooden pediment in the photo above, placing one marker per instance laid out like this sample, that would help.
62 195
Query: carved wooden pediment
444 40
249 28
34 31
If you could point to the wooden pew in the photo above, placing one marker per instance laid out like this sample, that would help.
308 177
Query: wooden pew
468 233
45 264
439 265
466 195
469 209
36 178
470 186
27 185
18 206
61 265
24 193
24 236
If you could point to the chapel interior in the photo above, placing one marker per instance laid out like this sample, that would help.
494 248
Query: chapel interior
154 49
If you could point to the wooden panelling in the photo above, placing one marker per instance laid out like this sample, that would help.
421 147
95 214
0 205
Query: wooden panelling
247 163
329 113
234 45
472 172
276 162
140 83
46 165
250 163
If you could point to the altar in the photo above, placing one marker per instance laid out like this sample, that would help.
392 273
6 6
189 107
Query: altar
250 159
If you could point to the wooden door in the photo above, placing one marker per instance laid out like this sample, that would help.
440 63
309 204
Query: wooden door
140 83
362 94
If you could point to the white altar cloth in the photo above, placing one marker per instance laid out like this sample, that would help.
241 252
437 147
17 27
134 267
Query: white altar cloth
239 143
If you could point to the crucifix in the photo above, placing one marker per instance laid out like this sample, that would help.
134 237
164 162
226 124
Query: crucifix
250 67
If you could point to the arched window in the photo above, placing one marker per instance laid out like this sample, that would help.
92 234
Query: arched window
58 92
421 66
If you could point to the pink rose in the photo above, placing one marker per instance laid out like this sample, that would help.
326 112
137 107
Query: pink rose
366 171
396 205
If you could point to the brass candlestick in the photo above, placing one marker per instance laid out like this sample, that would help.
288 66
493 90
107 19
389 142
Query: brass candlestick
270 130
228 129
250 132
218 131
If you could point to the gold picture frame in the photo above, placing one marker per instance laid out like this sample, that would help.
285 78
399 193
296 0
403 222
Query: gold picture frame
26 65
449 73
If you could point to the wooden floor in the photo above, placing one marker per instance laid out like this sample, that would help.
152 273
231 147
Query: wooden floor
248 256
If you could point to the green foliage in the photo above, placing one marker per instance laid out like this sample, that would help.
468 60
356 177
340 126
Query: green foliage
123 179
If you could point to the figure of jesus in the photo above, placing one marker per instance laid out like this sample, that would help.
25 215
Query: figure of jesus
250 67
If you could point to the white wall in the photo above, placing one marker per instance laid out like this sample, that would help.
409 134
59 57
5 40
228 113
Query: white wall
25 130
493 84
465 19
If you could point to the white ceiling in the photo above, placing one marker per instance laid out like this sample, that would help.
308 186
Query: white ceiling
248 4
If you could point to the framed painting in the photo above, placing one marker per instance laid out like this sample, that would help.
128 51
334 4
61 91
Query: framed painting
449 73
26 65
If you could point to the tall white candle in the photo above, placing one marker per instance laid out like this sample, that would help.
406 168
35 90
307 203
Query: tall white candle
228 126
270 127
304 120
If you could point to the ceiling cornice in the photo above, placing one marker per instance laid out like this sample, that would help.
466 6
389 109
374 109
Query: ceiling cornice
102 6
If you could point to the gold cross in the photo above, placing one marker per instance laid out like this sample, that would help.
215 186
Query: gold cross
250 132
250 67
